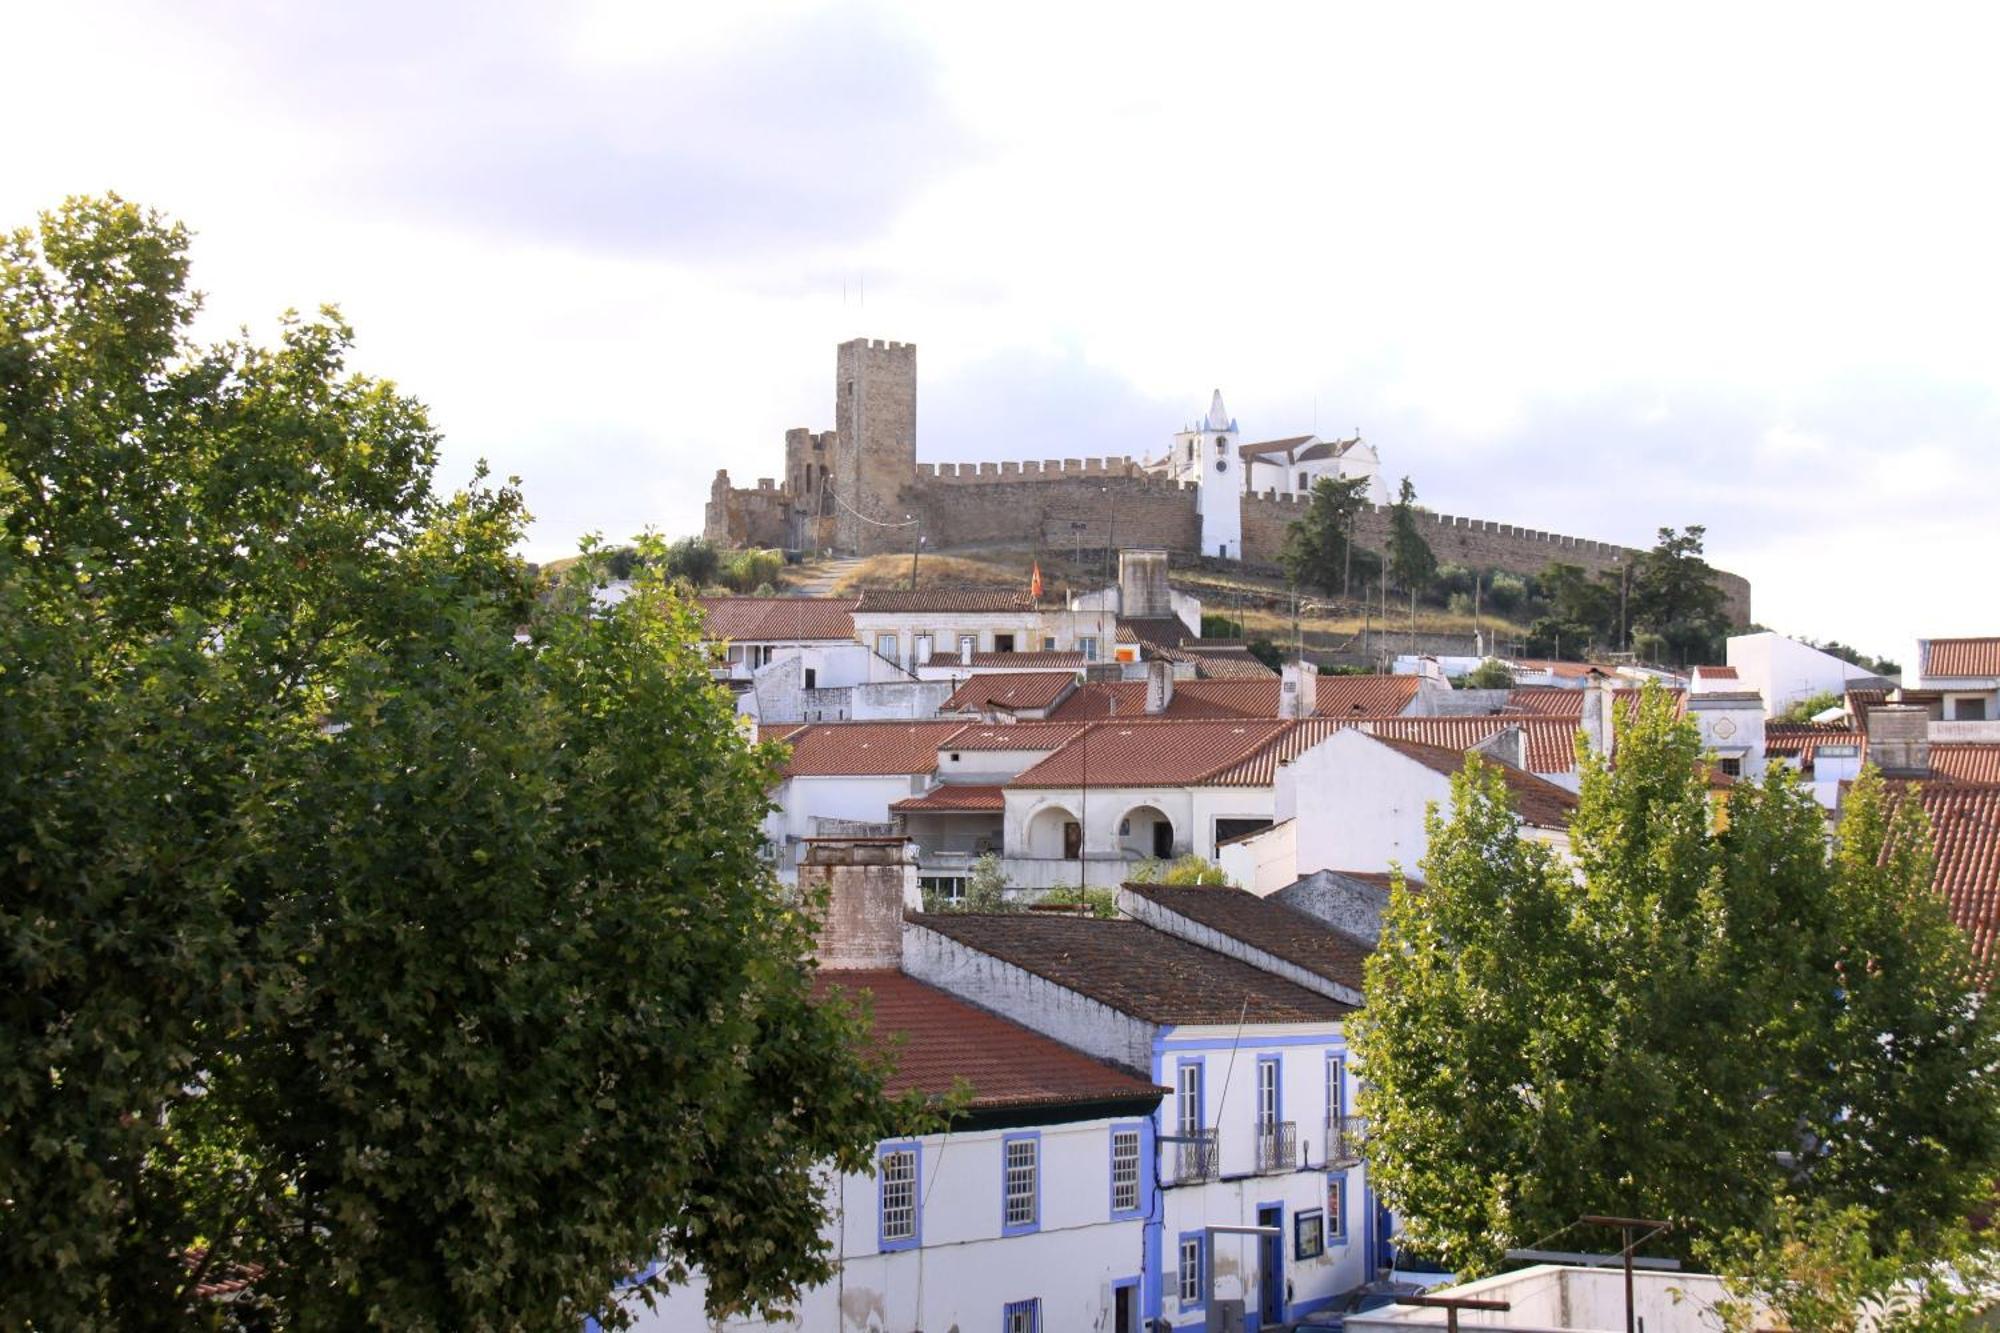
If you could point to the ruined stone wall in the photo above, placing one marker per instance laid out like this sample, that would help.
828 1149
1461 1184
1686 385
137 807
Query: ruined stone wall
1044 507
737 516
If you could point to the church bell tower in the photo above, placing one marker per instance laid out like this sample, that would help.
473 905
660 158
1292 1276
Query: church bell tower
1206 455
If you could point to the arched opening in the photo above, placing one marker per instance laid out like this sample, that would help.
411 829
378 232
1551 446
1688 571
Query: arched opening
1054 832
1145 831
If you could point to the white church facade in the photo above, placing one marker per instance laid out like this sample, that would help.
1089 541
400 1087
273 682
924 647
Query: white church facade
1212 456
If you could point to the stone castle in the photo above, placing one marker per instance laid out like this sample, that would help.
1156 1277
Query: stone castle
858 489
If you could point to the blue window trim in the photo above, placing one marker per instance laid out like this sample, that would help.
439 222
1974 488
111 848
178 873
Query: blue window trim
1142 1207
1336 1219
1032 1307
1200 1091
1277 1064
1200 1239
1034 1137
915 1146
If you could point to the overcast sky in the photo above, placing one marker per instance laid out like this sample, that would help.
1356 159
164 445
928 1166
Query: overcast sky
1592 269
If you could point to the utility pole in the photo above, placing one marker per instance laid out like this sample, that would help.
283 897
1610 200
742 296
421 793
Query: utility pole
1626 1226
916 544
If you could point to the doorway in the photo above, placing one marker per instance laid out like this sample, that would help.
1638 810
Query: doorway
1163 840
1271 1269
1125 1307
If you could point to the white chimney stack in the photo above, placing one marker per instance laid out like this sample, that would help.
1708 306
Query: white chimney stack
1298 690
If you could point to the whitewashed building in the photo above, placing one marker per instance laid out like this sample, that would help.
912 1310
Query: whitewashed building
1785 671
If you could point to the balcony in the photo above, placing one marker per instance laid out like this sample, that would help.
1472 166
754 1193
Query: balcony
1343 1139
1277 1146
1199 1158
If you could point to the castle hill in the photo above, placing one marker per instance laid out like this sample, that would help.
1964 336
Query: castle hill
1409 741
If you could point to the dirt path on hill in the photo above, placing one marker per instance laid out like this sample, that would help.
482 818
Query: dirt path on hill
821 581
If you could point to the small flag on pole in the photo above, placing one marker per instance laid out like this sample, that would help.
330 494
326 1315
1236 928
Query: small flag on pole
1035 582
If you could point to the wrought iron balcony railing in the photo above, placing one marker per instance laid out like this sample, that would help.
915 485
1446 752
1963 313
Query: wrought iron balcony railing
1344 1134
1278 1146
1197 1157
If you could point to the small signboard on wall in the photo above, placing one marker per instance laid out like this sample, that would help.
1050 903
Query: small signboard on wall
1308 1234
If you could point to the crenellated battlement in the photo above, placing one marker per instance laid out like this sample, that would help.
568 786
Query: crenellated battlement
1047 469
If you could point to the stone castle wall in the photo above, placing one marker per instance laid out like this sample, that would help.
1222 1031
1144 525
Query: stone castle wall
1089 507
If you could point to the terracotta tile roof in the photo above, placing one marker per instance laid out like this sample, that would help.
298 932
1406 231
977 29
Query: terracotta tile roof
1151 753
1227 664
1965 830
1962 657
1138 971
1154 631
1016 736
941 1039
1365 696
1550 741
973 599
1337 696
1966 761
1801 740
867 749
1261 923
1037 660
1558 701
1716 672
953 798
777 619
1283 446
1539 803
1011 689
1260 768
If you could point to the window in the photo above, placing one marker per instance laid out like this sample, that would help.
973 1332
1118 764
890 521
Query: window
1969 710
1024 1317
1191 1274
1124 1171
1087 645
1731 765
885 646
812 678
1305 483
1048 643
1267 1092
1336 1090
1003 643
947 888
968 644
1187 1098
1336 1209
896 1182
1022 1183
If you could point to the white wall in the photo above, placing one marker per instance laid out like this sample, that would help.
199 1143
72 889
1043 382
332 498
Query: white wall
965 1272
802 799
1263 862
1785 671
1359 805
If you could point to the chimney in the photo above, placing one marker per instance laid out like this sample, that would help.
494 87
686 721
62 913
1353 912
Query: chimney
1509 745
1598 701
1899 740
869 884
1159 684
965 650
1298 690
1142 584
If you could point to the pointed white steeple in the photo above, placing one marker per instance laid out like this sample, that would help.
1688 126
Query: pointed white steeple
1218 417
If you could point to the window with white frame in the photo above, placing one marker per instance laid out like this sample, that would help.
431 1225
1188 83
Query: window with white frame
886 645
1190 1269
1124 1170
1022 1168
1336 1093
945 888
1267 1095
898 1174
1188 1099
1087 645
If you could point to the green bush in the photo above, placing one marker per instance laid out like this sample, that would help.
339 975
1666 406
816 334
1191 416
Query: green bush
745 570
1488 675
1186 869
1103 903
694 561
1504 593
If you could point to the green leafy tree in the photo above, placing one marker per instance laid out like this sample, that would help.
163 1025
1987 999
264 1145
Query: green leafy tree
1186 869
1675 595
1411 562
1319 551
1696 1015
1489 675
1806 709
693 560
1099 902
1266 652
346 940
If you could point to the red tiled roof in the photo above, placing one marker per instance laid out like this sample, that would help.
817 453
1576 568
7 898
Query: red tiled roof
1962 657
1550 741
1151 752
1137 970
1966 761
1716 672
1557 701
973 599
1225 663
1038 660
1154 631
867 749
941 1039
1016 736
1965 831
1801 740
1539 803
777 619
953 798
1336 696
1283 446
1280 931
1011 689
1260 768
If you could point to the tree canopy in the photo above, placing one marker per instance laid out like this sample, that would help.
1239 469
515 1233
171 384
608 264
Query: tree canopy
1319 550
1412 564
1676 597
1699 1014
429 976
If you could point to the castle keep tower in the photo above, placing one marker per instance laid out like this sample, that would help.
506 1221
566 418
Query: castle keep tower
875 451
